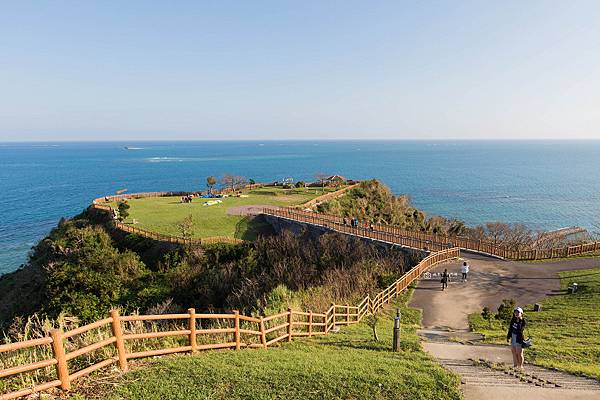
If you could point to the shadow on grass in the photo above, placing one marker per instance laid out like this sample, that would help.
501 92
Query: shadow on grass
250 227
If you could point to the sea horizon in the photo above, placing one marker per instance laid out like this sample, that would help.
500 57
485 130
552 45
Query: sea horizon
543 183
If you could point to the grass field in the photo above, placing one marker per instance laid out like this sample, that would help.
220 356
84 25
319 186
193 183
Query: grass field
162 214
345 365
594 254
565 332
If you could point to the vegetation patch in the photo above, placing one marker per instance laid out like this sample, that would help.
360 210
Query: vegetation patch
565 331
344 365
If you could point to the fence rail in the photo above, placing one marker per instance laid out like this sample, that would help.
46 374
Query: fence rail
427 241
244 332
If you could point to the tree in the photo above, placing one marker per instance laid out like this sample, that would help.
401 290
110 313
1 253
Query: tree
123 208
228 181
456 228
487 315
371 321
186 227
506 310
252 181
322 177
211 181
239 182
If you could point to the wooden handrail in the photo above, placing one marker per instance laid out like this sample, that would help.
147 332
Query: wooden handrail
427 241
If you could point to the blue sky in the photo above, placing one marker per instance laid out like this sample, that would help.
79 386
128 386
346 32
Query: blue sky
302 69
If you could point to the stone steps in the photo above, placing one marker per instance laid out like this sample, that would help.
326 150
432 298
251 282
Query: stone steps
473 374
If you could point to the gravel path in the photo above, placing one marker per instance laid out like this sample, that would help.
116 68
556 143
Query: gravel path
247 210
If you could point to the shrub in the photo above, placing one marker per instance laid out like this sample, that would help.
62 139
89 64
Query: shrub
506 309
123 208
487 315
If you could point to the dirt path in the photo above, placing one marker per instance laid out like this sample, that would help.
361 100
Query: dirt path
248 210
490 280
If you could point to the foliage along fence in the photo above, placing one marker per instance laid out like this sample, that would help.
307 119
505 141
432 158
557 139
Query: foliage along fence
240 331
427 241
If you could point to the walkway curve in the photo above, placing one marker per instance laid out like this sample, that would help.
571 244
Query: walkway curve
445 319
427 241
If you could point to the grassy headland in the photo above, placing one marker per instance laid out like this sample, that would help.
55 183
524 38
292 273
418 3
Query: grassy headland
565 332
163 214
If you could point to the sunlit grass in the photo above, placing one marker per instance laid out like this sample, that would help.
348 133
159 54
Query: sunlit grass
566 332
162 214
344 365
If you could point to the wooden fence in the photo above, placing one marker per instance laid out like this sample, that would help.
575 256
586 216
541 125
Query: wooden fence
175 239
243 332
427 241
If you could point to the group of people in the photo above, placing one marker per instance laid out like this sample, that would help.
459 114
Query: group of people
464 269
516 328
355 223
187 199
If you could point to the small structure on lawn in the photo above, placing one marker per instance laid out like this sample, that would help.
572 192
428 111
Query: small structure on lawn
335 180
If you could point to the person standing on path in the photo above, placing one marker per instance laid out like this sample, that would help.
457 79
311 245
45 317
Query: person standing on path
465 271
445 277
515 337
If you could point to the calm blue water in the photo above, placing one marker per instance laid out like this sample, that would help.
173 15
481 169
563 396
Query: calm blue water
543 184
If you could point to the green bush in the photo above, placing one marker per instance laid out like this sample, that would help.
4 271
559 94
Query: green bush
506 309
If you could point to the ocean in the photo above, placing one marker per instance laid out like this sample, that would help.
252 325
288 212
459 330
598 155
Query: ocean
544 184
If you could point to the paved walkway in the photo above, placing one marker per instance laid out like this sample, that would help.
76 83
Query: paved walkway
484 369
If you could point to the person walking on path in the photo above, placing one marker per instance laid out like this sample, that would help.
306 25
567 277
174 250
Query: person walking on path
444 280
465 271
515 337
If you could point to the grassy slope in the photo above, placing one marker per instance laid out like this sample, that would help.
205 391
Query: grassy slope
595 254
162 214
565 332
346 365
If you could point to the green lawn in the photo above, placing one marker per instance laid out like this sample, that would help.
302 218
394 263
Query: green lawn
346 365
566 332
162 214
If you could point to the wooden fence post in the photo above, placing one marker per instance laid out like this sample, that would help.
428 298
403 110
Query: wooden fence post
192 326
263 335
117 332
62 369
333 313
310 322
237 329
289 325
347 314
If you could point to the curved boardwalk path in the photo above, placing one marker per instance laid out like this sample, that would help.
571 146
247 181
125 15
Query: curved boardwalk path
445 316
